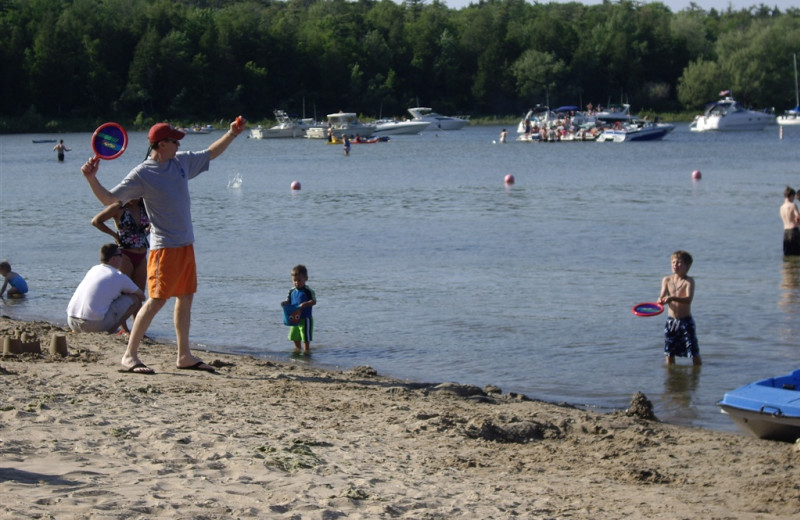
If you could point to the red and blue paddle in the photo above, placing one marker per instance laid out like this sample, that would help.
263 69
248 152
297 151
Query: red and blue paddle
109 141
646 309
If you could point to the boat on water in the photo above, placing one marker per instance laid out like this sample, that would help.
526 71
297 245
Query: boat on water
438 121
767 409
536 117
635 130
197 129
339 124
613 114
287 127
792 116
394 127
41 141
728 115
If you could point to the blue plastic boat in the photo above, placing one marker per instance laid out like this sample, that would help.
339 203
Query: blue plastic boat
768 409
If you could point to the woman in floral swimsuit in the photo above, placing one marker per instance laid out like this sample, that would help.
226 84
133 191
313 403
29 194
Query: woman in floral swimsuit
133 226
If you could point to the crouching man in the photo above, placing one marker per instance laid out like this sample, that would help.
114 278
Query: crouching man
105 297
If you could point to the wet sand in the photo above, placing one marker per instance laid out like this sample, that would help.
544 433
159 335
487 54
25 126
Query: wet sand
260 439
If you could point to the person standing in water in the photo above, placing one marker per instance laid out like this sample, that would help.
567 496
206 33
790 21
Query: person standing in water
60 147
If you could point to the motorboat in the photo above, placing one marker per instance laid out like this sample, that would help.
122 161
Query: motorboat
535 118
198 129
394 127
635 130
438 121
767 409
614 113
728 115
287 127
339 124
792 117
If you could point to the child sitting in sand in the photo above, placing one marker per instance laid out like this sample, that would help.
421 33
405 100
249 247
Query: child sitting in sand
18 286
303 297
677 292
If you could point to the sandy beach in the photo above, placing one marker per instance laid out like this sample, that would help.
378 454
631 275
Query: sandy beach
261 439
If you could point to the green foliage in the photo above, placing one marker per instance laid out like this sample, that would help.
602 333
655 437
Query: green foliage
147 60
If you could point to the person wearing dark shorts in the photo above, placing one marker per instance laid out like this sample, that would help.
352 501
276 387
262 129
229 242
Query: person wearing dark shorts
677 293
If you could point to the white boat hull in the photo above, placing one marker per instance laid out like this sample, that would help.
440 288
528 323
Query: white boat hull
754 121
764 425
437 121
399 127
789 120
276 133
727 115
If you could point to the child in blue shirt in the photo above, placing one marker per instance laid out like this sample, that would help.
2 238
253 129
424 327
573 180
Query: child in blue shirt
18 286
303 297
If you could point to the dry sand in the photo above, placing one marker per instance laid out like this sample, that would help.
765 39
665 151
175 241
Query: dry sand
260 439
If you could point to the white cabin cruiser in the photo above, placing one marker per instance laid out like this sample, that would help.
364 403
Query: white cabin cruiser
728 115
438 121
394 127
286 127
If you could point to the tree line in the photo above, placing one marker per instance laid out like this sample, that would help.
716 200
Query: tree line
141 60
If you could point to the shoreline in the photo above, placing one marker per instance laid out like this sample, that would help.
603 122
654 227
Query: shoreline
283 440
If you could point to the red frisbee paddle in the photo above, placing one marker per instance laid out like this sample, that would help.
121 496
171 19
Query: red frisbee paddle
648 309
109 141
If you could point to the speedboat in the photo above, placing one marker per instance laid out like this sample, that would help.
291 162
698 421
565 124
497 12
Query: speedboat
286 127
394 127
438 121
728 115
347 123
198 129
635 130
767 409
613 113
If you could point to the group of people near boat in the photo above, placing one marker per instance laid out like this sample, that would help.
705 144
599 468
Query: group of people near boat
562 128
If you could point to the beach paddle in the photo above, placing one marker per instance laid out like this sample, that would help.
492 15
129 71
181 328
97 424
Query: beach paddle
646 309
109 141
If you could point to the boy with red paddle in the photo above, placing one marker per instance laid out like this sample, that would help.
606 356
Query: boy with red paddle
677 292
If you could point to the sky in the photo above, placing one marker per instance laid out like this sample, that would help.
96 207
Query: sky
674 5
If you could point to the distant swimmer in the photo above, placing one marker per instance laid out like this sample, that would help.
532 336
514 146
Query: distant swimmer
60 147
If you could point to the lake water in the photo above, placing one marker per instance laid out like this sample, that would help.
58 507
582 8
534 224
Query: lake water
427 267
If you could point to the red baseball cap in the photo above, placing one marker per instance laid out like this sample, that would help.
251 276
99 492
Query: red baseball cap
161 131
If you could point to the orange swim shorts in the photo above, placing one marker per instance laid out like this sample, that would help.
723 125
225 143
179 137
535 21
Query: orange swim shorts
171 272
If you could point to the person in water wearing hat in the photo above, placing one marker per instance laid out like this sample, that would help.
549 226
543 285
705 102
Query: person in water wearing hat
162 180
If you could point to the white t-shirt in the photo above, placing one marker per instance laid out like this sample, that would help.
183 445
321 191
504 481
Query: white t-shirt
102 285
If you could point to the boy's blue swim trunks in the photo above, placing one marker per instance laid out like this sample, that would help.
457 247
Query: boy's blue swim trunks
680 338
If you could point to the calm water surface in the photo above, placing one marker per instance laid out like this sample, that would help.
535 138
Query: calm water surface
427 267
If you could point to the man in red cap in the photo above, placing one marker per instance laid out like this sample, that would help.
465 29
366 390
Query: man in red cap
162 180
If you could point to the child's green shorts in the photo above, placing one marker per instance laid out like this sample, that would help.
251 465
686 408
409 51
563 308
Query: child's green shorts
302 331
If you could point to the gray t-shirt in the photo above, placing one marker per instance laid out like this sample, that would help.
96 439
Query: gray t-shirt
165 189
